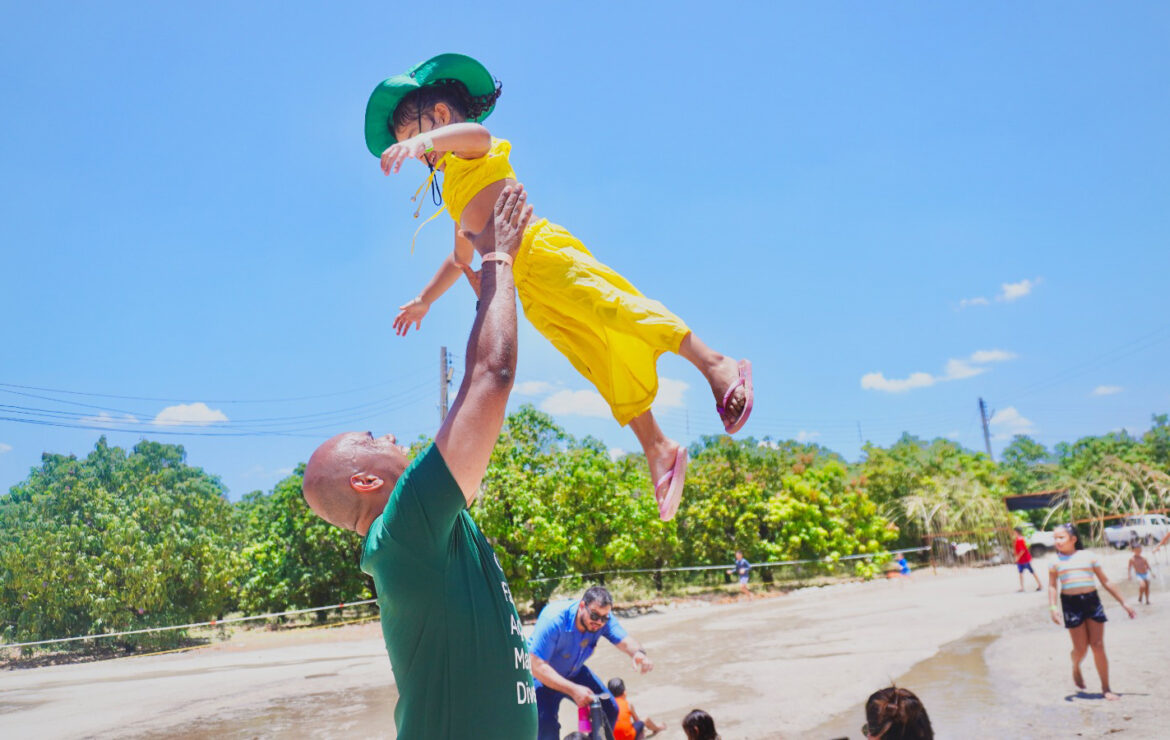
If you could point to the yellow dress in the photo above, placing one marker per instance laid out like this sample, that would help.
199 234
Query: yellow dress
611 333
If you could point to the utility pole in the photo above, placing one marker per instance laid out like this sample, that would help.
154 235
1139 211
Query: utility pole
986 433
444 378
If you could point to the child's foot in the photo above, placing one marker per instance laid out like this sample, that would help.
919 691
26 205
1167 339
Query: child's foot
1078 679
669 479
1110 696
731 383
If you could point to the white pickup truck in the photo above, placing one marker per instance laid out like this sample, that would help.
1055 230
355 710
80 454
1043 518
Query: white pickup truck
1148 529
1041 542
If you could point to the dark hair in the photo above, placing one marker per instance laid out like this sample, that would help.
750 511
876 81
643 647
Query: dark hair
454 93
1072 530
616 687
1019 530
597 596
574 735
699 726
897 714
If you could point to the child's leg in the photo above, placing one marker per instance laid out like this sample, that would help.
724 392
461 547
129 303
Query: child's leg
1097 643
1038 586
659 448
1021 578
1080 640
720 371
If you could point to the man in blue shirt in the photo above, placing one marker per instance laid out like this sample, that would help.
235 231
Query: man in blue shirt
565 635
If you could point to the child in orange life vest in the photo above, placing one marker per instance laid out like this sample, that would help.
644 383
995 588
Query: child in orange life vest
609 331
629 726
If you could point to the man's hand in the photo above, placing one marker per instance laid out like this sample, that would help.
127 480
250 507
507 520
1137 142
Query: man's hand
642 662
581 696
411 312
510 219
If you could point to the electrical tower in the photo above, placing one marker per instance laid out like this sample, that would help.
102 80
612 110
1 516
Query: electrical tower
445 373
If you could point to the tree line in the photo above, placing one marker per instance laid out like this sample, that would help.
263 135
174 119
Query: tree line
124 540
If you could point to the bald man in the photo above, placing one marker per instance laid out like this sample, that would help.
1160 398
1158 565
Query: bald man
459 659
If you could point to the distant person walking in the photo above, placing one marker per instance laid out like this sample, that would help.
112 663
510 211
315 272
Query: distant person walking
1140 567
1024 559
1084 616
742 569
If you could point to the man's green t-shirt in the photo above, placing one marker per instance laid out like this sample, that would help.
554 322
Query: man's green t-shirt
456 648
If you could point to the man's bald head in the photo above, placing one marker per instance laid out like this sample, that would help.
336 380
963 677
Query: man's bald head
350 476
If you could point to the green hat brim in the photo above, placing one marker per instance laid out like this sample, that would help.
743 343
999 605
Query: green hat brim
389 93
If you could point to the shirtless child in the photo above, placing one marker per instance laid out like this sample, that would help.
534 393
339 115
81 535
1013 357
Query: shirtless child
1140 567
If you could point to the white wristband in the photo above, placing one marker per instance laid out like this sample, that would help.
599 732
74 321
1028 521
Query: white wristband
428 144
498 257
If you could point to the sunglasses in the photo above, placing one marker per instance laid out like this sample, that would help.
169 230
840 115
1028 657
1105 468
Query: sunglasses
595 617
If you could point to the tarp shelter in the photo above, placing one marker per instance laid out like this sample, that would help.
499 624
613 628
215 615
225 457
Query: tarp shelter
1038 500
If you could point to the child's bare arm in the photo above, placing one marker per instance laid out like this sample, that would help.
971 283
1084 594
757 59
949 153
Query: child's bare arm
466 140
413 311
1129 570
1105 584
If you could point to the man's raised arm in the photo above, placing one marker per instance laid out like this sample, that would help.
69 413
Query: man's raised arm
470 430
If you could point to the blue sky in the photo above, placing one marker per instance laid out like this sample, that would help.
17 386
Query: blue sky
892 209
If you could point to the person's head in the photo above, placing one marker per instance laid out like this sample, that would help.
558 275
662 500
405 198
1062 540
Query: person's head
574 735
739 554
1019 531
350 477
617 687
594 608
436 105
1137 548
1066 538
896 714
698 725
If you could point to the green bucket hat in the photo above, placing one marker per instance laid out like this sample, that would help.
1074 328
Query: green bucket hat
389 93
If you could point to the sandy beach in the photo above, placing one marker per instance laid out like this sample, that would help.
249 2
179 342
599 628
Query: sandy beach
985 659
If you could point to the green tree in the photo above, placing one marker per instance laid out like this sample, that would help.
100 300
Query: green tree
114 542
293 559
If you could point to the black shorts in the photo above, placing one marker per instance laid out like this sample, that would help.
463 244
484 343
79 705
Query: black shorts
1079 607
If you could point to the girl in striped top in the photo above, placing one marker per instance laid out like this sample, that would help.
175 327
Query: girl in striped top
1084 616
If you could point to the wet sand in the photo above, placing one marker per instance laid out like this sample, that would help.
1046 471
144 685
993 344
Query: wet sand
985 659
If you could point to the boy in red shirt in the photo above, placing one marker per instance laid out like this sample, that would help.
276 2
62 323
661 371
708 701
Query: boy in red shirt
1024 559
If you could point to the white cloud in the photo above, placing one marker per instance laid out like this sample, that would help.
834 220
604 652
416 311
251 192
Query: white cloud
616 453
879 382
953 435
954 370
576 403
1107 390
1008 292
1009 422
5 448
1014 291
195 414
984 356
670 393
803 436
533 388
959 369
106 420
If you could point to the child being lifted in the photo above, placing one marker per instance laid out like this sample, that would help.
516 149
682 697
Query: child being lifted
609 331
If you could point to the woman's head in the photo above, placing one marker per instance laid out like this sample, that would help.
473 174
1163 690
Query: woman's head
896 714
1066 538
699 726
436 105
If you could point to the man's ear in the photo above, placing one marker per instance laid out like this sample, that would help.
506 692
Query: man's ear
365 482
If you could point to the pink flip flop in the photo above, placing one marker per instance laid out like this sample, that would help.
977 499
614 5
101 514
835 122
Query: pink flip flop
674 478
745 379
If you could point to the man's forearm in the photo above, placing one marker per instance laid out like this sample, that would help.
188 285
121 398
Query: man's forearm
548 676
630 646
492 347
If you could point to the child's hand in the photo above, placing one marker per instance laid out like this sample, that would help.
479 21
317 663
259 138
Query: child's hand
1129 610
396 154
411 312
1055 618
